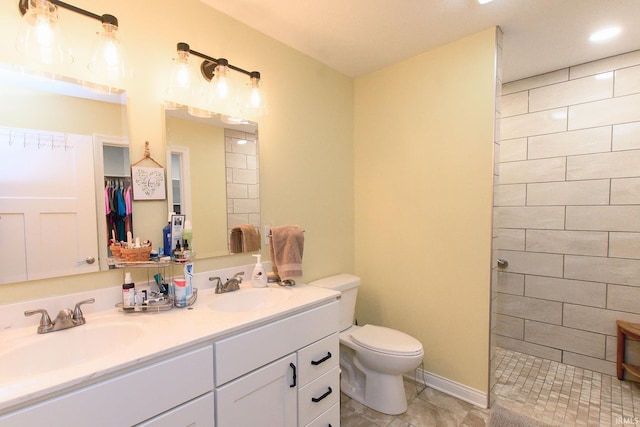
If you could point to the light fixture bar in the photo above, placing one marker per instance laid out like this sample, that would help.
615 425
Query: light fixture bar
23 5
208 66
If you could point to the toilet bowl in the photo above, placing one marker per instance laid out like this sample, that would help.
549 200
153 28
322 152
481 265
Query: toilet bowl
372 358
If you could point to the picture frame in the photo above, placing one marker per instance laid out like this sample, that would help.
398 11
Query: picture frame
148 183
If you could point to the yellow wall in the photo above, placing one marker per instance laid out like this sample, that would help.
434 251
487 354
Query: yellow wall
423 196
309 128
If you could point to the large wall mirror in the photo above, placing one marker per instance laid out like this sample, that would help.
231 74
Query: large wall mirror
214 178
53 133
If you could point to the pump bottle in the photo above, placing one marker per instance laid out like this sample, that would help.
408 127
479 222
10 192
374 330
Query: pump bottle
259 277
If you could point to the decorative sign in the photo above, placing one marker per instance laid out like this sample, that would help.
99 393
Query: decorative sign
148 183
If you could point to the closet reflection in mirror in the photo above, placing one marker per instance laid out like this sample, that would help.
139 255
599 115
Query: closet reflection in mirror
51 203
214 178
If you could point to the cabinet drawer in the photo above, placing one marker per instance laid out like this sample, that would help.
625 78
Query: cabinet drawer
318 358
331 418
318 396
198 412
242 353
127 399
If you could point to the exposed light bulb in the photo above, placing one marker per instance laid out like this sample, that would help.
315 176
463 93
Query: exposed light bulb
108 58
39 37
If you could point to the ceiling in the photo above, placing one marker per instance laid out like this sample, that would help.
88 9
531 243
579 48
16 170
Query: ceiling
357 37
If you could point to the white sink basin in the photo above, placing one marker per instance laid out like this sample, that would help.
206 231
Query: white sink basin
40 353
249 299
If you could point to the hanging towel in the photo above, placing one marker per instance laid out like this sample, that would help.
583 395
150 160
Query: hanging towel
287 246
244 238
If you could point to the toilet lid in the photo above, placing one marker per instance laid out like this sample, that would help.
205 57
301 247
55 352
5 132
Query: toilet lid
386 340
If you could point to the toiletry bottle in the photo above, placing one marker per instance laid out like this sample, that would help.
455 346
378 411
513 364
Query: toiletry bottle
166 236
187 234
259 277
180 292
188 277
128 291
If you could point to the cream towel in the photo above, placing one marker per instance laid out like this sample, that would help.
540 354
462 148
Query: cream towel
287 246
244 238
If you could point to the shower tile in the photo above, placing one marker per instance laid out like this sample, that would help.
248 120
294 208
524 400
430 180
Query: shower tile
591 363
572 291
590 192
509 326
542 217
595 320
624 245
536 81
563 338
606 64
538 123
626 136
625 191
618 164
624 298
584 141
514 104
511 239
577 91
603 218
540 170
627 81
510 283
530 308
510 195
540 264
622 109
567 242
606 270
513 149
547 353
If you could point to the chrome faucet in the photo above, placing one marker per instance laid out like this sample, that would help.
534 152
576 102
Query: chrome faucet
66 318
230 285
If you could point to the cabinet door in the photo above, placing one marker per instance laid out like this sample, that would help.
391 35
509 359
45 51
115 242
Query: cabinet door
266 397
47 207
197 413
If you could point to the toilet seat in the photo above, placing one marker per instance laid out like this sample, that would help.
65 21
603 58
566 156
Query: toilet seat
386 340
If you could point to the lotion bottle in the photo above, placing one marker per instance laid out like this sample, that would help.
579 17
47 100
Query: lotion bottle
259 277
128 291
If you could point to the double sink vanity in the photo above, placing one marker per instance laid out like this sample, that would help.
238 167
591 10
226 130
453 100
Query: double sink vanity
256 356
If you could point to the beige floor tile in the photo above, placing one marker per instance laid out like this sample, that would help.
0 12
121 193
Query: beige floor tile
544 390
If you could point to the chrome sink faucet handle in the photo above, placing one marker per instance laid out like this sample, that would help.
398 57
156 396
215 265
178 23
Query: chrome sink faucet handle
45 320
78 317
218 285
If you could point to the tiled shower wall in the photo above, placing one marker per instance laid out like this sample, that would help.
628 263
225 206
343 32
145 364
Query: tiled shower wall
243 179
567 212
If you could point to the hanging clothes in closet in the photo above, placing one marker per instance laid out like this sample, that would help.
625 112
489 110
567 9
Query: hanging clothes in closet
118 208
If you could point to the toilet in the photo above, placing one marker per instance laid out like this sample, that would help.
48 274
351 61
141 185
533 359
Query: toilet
372 358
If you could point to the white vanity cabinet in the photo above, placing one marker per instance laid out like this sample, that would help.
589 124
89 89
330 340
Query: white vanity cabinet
265 376
181 385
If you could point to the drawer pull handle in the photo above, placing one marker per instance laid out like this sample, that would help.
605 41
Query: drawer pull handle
324 359
318 399
293 367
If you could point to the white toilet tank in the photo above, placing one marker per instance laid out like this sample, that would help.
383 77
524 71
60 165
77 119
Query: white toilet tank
347 284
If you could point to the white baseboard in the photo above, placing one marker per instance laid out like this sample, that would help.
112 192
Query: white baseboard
449 387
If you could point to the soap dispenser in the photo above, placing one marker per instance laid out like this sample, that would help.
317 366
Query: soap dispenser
259 277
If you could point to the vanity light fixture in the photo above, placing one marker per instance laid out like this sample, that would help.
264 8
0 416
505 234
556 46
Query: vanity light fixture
39 38
222 94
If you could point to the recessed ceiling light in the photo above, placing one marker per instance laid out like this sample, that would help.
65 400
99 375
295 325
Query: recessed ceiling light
484 1
604 34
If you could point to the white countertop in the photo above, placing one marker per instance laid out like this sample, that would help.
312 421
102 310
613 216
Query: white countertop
148 337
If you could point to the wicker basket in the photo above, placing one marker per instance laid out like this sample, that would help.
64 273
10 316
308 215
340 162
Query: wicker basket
115 250
135 254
